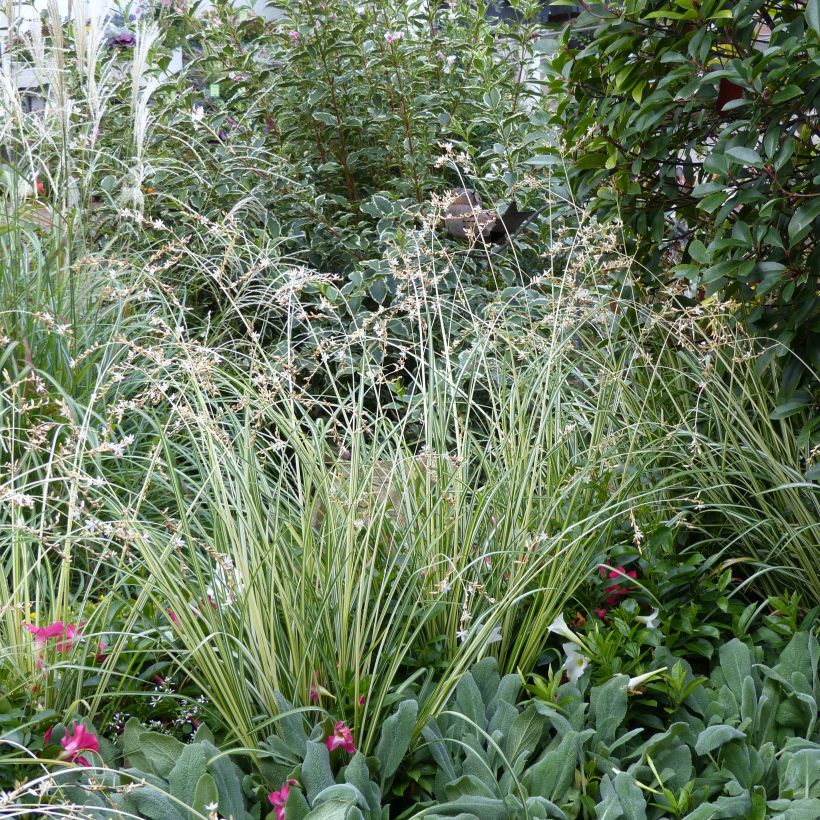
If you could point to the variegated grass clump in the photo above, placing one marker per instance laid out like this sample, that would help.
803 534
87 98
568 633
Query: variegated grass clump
174 488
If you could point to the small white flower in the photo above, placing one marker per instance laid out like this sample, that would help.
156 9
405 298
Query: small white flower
17 499
650 621
635 682
575 664
559 627
197 114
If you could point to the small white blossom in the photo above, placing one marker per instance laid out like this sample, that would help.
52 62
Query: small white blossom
559 627
635 682
575 665
650 621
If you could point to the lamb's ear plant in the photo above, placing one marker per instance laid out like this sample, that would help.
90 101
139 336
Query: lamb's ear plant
159 778
745 741
177 777
328 775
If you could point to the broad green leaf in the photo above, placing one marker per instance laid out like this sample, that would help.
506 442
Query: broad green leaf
794 405
187 771
358 775
608 707
469 701
162 751
472 808
544 161
713 737
524 734
134 755
316 772
152 804
736 665
800 776
551 775
747 156
467 786
228 778
383 204
395 737
801 809
341 792
339 809
800 224
735 807
790 92
290 726
698 252
205 793
621 799
633 803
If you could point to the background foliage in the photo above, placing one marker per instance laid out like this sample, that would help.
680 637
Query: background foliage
695 124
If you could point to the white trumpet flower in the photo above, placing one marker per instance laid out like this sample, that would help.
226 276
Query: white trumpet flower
575 664
650 621
635 682
559 627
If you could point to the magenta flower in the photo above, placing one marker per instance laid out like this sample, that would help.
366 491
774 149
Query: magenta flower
294 41
172 617
280 797
76 741
616 591
342 738
65 632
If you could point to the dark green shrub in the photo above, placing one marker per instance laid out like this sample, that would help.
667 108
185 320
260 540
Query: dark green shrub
697 125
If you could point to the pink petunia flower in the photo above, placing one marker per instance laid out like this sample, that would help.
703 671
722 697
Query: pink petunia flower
280 797
79 740
342 738
65 632
620 572
617 591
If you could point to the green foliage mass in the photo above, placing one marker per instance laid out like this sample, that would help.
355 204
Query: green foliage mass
743 743
697 125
